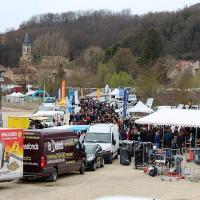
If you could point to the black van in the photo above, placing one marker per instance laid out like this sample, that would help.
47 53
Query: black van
48 153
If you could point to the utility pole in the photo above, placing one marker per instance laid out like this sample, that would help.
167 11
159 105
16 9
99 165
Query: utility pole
1 80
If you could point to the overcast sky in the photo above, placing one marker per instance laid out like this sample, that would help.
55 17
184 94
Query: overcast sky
13 12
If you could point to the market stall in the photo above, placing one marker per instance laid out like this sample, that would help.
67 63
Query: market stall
172 117
139 110
182 118
15 97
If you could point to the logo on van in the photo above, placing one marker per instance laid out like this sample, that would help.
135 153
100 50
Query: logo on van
30 146
53 146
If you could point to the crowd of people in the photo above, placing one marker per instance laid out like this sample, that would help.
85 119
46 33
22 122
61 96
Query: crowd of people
169 137
94 112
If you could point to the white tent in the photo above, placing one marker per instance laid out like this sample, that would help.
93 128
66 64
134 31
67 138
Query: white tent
140 108
30 93
15 97
18 94
173 117
115 92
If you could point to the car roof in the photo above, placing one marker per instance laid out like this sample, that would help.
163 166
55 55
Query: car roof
103 128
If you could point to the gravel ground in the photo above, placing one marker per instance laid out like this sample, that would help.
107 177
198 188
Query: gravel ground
113 179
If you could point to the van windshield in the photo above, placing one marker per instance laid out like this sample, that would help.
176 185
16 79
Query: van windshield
98 137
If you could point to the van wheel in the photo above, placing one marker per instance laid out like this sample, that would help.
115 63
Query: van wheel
54 175
94 166
82 169
102 163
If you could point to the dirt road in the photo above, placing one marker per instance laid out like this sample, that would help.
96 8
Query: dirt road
113 179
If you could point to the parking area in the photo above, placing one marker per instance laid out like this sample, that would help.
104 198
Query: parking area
113 179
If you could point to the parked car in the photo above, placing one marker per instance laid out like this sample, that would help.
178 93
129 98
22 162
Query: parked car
107 136
48 153
95 156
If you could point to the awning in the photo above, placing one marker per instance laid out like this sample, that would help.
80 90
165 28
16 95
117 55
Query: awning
172 117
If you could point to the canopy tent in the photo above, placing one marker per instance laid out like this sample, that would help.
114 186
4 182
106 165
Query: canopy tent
16 94
140 108
172 117
40 93
47 113
115 92
30 93
15 97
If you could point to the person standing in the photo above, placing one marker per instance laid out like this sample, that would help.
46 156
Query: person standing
157 138
168 137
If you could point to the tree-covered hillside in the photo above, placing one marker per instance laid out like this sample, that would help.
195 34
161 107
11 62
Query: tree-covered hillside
178 32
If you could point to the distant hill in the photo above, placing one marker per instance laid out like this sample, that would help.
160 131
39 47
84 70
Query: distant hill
195 6
179 32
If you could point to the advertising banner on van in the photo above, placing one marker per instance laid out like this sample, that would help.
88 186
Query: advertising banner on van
11 154
126 94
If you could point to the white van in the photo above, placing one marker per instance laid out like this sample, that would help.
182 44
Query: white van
107 136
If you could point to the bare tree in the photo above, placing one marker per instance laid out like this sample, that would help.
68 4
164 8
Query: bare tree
50 44
91 58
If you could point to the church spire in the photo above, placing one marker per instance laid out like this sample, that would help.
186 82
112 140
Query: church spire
26 40
26 49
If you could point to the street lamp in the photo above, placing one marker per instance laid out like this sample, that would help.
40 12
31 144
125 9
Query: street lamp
1 80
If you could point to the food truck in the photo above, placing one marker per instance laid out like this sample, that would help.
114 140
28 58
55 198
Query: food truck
11 154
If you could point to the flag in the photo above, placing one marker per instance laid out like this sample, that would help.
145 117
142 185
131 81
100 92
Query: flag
59 94
126 94
149 102
81 92
121 92
76 100
63 86
44 90
71 100
98 93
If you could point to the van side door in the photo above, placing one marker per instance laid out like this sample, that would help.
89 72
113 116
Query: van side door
55 152
70 157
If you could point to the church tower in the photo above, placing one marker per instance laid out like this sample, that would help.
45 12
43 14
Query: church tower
26 50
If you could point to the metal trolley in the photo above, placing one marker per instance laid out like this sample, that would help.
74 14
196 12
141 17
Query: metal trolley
141 154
